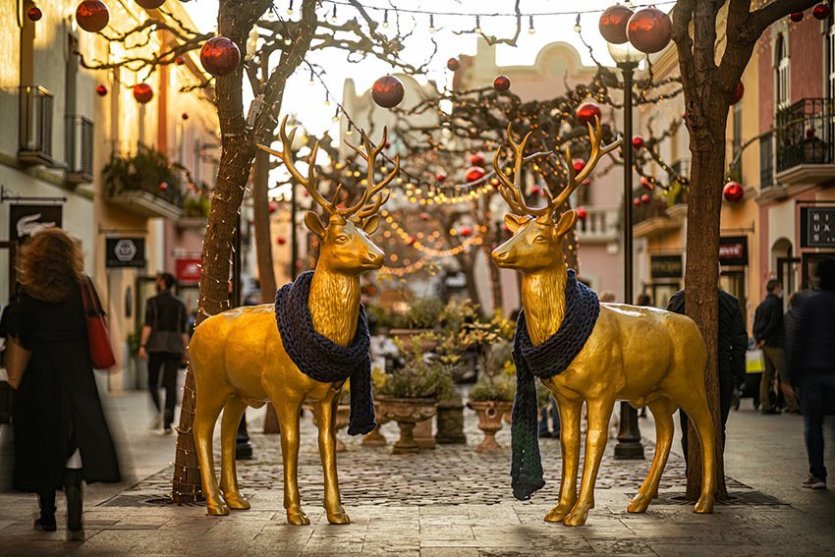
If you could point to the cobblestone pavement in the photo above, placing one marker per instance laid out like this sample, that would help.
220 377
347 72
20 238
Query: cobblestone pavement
452 502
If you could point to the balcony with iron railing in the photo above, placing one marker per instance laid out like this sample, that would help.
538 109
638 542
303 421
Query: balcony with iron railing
79 149
805 150
35 126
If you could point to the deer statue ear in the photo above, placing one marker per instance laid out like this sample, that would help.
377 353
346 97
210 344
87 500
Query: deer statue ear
370 224
567 220
513 222
314 223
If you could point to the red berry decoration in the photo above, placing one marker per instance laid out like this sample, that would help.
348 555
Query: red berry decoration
34 14
645 182
477 159
821 11
587 112
739 90
636 201
474 173
581 213
163 186
184 116
220 56
101 90
180 60
466 231
638 142
387 91
733 192
649 30
796 17
440 177
501 83
92 15
150 4
536 190
645 199
424 216
281 240
613 22
272 207
452 64
578 165
143 93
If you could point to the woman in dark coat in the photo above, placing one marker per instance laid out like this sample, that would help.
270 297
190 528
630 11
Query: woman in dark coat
61 435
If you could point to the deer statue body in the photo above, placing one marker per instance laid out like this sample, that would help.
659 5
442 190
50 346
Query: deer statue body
646 356
240 358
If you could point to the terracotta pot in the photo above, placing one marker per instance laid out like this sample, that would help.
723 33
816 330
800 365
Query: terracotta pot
450 422
406 412
490 414
376 438
343 417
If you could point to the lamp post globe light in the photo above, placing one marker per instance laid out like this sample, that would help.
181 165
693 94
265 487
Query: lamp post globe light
627 57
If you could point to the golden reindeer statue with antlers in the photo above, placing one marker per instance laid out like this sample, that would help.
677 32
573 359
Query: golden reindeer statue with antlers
584 351
303 350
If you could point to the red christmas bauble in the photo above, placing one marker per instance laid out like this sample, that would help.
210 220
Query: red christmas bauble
581 213
272 207
578 165
184 116
452 64
796 17
92 15
180 60
739 90
474 173
466 231
501 83
163 186
424 216
220 56
645 199
34 14
143 93
150 4
645 182
281 240
613 22
101 90
821 11
478 159
587 112
387 91
636 201
536 190
440 177
638 142
733 192
649 30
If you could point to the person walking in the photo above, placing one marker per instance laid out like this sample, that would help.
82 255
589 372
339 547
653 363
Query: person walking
732 343
770 336
61 435
811 356
164 343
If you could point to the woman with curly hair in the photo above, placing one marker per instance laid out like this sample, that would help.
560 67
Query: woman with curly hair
61 435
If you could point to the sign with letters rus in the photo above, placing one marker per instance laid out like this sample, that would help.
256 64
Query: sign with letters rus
817 227
124 252
25 220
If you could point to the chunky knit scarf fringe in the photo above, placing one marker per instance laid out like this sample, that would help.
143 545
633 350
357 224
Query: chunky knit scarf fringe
321 359
544 361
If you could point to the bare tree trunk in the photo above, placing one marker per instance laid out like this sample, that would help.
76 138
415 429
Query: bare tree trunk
263 241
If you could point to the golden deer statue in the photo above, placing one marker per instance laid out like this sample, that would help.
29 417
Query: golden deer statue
239 358
646 356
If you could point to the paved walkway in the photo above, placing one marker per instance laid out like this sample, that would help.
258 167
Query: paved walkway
450 501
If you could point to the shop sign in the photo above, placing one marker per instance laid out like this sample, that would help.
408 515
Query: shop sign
124 252
187 270
818 227
25 220
733 251
666 266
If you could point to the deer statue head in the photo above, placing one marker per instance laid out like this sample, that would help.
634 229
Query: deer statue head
536 243
345 243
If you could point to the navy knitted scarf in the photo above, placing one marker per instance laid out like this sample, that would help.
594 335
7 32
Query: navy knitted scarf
321 359
544 361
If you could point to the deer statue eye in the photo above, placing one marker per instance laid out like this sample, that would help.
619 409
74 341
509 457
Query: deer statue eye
540 240
341 239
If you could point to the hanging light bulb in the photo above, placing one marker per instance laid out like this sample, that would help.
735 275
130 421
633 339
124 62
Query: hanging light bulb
332 18
577 27
477 24
311 82
336 115
432 24
385 19
290 8
288 41
531 29
327 99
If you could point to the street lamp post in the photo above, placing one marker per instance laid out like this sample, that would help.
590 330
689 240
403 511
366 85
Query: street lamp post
626 57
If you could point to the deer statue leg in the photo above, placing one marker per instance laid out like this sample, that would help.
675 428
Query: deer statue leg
699 415
208 406
570 445
326 418
288 420
662 411
596 437
232 413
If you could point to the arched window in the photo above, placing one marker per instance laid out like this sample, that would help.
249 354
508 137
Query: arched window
781 81
830 59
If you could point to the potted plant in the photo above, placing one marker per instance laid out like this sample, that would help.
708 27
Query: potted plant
409 395
492 395
422 316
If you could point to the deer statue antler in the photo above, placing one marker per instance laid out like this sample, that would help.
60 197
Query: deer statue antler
373 190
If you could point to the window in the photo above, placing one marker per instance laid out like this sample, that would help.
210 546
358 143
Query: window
830 60
781 82
737 137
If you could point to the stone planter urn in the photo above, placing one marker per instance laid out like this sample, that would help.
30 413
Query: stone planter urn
343 417
406 412
490 414
450 422
375 438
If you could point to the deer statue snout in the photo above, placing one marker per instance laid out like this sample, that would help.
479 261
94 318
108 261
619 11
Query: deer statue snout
503 255
373 259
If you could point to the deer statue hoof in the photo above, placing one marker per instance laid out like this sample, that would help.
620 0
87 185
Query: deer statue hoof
338 517
639 504
296 517
557 514
236 501
217 509
704 505
577 516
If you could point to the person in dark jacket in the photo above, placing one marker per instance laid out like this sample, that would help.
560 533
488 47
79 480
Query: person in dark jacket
732 343
61 435
770 336
811 355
